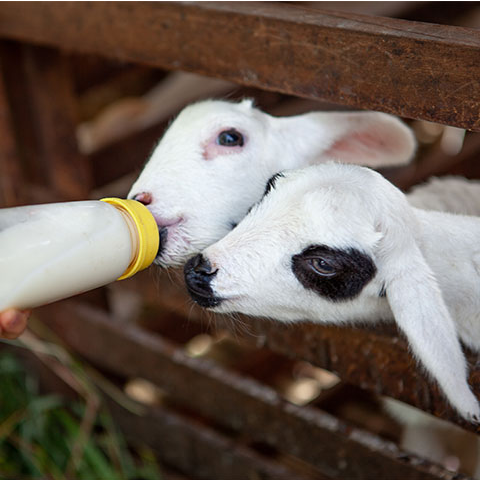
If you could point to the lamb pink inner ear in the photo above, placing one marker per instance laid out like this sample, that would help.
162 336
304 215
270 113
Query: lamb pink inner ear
367 147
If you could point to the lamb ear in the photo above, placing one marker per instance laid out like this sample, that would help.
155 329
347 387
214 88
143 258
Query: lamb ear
421 313
372 139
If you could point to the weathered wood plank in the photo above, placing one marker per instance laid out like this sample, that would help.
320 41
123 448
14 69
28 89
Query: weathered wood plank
10 170
412 69
15 79
243 404
53 102
376 358
198 450
191 446
42 99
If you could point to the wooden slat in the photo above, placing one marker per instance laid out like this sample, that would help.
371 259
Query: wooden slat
176 438
336 449
15 79
10 169
198 450
43 105
376 358
412 69
53 100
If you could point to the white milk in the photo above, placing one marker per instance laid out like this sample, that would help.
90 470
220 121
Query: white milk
50 252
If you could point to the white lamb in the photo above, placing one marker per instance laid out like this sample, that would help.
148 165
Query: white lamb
339 243
213 162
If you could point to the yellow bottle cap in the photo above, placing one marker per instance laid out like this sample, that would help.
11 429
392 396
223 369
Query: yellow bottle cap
148 237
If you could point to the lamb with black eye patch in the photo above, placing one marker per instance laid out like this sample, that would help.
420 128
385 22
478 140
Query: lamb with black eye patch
332 273
340 244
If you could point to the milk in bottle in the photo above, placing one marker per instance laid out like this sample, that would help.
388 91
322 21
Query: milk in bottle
49 252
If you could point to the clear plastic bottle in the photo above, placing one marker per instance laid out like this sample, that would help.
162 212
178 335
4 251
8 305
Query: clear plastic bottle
54 251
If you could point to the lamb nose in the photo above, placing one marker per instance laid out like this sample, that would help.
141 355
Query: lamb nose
144 197
198 276
201 266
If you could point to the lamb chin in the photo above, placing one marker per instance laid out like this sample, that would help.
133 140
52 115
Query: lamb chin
210 302
167 261
174 254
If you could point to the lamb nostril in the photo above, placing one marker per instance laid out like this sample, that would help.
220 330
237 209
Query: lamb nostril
202 266
198 276
144 197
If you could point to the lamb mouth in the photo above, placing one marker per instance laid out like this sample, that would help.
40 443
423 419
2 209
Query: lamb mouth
164 230
163 234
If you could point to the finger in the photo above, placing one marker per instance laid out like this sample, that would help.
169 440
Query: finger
13 323
11 336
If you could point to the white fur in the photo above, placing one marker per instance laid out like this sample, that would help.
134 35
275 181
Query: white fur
199 196
428 262
447 194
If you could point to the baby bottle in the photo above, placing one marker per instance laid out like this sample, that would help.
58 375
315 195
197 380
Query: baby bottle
49 252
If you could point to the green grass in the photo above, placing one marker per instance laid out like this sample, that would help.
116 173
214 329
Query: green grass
48 437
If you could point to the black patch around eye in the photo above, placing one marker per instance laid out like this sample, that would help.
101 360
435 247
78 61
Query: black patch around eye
230 138
354 269
271 182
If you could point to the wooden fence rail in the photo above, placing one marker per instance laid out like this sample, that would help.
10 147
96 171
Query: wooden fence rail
236 402
411 69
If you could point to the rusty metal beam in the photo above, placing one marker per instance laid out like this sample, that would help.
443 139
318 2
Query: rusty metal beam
245 405
411 69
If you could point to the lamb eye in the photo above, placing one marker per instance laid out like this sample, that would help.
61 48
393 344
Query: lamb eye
230 138
322 267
